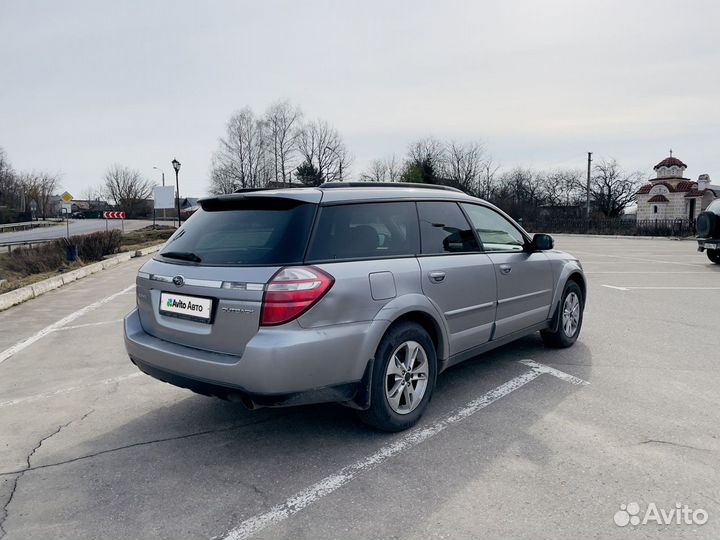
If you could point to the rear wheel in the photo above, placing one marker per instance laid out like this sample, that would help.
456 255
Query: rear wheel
714 255
571 316
403 378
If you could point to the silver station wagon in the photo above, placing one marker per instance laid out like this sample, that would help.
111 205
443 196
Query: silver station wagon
358 293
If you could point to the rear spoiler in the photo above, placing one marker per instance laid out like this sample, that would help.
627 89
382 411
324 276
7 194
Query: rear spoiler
258 199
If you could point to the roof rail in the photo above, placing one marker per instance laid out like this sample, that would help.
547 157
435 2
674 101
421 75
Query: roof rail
334 185
251 189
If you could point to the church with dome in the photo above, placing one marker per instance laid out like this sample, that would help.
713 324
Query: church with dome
672 196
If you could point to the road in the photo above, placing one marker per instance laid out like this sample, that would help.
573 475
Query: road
91 449
77 226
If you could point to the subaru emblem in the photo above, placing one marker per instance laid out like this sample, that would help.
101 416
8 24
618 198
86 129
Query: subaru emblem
179 281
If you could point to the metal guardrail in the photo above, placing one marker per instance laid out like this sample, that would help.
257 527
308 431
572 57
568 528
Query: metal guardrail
26 225
25 243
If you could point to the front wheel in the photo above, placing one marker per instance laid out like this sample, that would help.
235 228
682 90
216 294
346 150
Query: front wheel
571 317
403 378
714 255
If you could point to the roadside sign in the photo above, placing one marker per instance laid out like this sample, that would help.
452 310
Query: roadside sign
66 208
33 206
164 197
66 197
114 215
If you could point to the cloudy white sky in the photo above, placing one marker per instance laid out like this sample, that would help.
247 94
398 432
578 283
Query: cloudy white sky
87 84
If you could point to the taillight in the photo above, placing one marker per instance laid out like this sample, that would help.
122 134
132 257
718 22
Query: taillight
291 292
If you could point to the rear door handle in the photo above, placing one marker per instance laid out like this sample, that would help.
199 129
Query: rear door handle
436 277
505 269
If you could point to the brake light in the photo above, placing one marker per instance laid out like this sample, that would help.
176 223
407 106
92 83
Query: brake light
291 292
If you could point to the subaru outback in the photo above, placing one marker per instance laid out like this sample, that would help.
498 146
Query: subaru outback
358 293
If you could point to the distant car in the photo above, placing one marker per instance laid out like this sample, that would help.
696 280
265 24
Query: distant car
359 294
708 230
187 212
77 215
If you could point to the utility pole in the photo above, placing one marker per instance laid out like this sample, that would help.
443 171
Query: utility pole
163 183
587 210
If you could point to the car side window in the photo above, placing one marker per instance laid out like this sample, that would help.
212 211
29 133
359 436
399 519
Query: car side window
495 232
444 229
365 231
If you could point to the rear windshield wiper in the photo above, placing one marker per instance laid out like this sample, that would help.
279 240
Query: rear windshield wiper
182 255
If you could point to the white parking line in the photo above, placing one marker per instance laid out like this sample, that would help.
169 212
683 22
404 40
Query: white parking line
76 326
638 259
542 368
649 273
329 484
46 395
7 353
650 288
616 288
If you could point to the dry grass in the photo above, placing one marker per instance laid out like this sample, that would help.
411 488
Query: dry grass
24 266
145 237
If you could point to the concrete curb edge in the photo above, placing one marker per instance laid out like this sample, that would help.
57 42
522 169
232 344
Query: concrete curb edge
23 294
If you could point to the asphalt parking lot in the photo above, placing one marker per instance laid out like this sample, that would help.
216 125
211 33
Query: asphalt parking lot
515 444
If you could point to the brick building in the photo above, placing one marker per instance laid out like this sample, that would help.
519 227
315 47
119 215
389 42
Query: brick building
671 196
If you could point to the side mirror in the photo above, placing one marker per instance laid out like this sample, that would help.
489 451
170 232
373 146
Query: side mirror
543 242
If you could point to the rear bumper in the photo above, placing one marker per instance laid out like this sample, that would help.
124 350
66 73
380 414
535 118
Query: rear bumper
280 366
703 243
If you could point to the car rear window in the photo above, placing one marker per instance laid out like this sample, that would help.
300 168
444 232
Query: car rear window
362 231
243 232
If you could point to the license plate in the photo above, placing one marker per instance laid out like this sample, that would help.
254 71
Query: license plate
711 246
186 307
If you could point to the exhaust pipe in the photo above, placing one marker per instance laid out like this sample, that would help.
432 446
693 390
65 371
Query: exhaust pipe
245 401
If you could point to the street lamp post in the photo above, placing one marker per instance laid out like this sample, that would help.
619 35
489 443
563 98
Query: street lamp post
163 183
339 161
176 166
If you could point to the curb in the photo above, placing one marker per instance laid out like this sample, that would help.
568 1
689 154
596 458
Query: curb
23 294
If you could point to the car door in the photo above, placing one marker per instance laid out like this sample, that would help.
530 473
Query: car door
455 275
524 278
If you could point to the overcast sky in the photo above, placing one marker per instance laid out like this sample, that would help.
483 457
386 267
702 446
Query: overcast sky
87 84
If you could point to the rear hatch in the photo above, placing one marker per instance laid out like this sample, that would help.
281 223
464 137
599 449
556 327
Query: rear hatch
204 289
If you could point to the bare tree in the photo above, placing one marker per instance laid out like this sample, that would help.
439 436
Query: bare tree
611 188
39 186
561 187
223 175
323 149
428 149
518 192
126 188
241 160
10 190
462 164
424 162
93 193
487 180
281 121
376 172
393 169
383 170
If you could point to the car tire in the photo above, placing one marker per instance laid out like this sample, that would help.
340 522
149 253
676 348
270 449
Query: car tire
714 255
570 322
392 372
